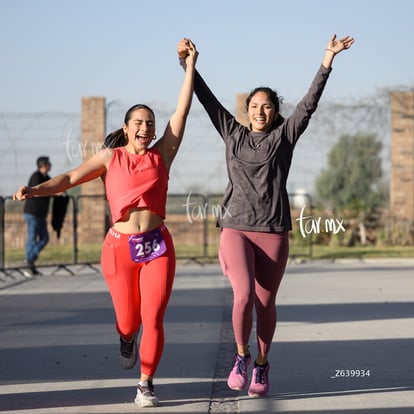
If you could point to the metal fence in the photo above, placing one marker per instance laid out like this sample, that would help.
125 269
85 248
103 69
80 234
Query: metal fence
191 219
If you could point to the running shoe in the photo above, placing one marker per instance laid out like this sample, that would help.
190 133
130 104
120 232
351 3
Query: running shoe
259 386
129 352
31 269
237 379
145 395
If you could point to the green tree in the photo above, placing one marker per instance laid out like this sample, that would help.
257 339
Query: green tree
353 177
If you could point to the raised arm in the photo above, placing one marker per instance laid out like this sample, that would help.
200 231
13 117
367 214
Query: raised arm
334 47
222 119
174 131
298 121
94 167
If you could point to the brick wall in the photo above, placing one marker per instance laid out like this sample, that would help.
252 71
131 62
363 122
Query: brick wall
91 225
241 114
402 155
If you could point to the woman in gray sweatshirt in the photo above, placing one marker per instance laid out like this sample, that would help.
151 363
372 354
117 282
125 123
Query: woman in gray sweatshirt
254 244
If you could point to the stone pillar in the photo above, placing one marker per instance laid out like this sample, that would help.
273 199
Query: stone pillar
241 114
92 206
93 135
402 155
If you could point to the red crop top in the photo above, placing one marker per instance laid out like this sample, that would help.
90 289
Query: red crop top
134 181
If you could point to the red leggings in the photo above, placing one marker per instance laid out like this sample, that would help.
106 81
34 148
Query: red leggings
255 263
140 293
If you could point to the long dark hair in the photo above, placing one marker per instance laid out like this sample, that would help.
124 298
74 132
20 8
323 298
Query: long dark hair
274 98
117 138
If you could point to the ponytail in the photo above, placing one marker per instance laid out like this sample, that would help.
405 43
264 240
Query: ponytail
115 139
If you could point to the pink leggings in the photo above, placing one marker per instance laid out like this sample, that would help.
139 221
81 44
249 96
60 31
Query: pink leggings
140 293
255 263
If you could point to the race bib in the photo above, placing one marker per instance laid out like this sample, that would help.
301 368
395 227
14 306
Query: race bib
146 246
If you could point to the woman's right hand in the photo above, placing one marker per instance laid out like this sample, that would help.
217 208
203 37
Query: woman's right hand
186 49
23 193
182 49
192 55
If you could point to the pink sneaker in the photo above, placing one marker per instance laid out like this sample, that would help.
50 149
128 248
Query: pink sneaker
237 379
259 386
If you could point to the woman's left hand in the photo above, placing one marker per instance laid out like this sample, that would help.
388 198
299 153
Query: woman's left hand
337 46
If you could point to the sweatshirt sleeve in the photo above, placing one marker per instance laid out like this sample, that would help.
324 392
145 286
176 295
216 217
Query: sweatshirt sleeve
222 119
298 121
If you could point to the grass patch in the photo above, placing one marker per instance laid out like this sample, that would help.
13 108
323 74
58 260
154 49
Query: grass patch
357 252
91 253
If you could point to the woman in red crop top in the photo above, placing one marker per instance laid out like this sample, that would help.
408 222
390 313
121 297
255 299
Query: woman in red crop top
138 258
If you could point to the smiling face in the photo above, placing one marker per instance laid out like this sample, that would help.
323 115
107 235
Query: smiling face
140 130
261 112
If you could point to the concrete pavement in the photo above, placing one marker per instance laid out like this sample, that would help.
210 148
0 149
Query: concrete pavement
344 343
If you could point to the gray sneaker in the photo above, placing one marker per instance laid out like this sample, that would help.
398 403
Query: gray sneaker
145 395
129 352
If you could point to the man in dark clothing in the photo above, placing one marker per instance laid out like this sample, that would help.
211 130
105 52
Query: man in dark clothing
35 214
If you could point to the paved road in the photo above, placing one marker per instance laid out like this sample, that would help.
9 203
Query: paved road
344 343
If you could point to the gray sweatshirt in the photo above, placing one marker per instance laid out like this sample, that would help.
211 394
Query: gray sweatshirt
258 163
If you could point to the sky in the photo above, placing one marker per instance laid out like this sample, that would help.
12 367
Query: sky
56 51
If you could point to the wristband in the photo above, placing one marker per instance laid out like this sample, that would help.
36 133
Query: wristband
330 50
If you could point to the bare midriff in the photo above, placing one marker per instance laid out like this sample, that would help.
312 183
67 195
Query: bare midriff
138 220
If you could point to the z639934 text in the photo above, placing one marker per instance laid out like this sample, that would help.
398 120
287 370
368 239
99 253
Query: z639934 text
351 373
